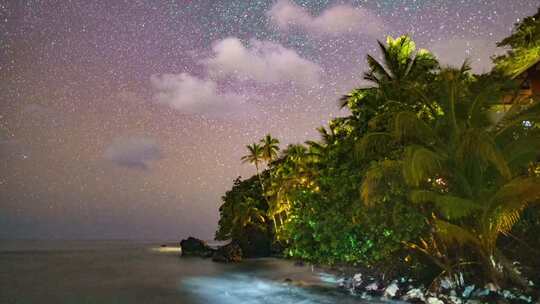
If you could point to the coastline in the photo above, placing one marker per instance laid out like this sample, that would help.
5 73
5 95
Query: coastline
371 285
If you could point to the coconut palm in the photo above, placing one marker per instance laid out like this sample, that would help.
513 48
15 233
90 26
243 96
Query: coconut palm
468 170
524 44
255 156
270 148
397 83
401 62
292 171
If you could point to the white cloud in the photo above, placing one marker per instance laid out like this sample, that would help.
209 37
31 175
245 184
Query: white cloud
193 95
262 61
336 20
454 51
133 152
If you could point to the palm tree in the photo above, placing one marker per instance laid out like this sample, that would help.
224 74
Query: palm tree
469 171
397 81
401 62
524 44
270 148
254 157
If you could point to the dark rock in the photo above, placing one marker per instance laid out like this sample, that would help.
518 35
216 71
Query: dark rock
276 248
195 247
299 263
255 242
287 280
230 253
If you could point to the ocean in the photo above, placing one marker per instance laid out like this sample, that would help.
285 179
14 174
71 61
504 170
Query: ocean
118 272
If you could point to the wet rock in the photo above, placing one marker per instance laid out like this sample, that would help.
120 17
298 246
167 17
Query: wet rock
372 287
391 290
374 290
468 291
415 295
491 287
195 247
357 280
255 242
433 300
230 253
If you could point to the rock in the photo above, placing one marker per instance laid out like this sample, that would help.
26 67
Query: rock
413 295
255 242
432 300
357 280
447 283
454 300
491 287
372 287
195 247
299 263
391 290
468 291
230 253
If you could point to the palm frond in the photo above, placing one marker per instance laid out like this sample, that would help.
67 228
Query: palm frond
476 148
452 207
522 151
420 164
516 115
454 234
510 200
377 71
378 180
407 126
372 144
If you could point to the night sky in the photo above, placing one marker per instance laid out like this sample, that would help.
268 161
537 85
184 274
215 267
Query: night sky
127 119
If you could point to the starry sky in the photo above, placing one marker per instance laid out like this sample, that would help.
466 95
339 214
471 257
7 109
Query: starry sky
127 119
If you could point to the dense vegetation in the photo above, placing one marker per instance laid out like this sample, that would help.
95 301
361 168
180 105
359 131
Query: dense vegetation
430 173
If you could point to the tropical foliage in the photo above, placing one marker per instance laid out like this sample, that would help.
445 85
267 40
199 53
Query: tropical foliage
524 46
429 171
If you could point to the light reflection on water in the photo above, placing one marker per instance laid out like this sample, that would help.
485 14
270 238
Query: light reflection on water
237 288
248 289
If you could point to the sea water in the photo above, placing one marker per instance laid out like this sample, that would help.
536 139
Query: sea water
118 272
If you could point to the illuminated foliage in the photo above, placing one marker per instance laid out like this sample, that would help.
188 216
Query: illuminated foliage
422 165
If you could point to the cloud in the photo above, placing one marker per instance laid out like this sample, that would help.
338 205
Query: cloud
133 152
454 51
262 61
193 95
336 20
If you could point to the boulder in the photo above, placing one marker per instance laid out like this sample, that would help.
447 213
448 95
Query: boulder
195 247
414 295
357 280
230 253
433 300
255 242
391 291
